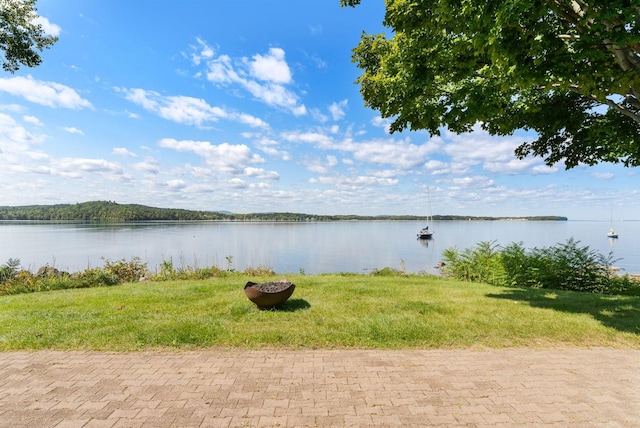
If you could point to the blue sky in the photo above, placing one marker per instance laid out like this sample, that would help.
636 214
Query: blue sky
250 106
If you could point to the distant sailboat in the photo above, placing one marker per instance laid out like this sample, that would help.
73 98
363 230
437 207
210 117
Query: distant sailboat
612 233
425 232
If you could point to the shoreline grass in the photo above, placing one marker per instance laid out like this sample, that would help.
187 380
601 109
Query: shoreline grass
333 311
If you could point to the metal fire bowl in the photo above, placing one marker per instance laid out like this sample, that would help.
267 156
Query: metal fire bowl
269 294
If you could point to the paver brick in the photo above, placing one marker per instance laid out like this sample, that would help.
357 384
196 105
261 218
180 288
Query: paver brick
228 388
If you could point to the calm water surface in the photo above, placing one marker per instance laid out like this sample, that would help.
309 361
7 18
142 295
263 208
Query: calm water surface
352 246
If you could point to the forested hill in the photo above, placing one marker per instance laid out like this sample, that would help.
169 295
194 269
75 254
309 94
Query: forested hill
106 211
103 212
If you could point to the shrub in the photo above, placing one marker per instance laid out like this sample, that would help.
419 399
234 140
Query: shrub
570 267
260 270
481 263
521 268
127 271
95 277
208 272
565 266
625 285
9 270
14 281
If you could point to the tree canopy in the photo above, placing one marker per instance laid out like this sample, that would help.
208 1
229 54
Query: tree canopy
567 69
21 37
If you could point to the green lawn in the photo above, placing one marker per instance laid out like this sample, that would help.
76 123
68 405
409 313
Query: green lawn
325 311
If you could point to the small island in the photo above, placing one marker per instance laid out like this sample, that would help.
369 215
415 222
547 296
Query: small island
108 211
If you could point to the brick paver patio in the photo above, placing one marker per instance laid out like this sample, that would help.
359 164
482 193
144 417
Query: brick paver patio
232 388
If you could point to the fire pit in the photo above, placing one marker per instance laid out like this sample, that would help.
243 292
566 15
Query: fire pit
269 294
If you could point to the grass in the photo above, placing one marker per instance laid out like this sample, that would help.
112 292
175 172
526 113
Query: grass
325 311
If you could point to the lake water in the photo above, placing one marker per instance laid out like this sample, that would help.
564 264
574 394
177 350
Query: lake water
349 246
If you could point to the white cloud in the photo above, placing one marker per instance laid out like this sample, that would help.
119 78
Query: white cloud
276 95
271 67
226 158
270 147
237 183
402 154
146 99
176 184
316 138
48 27
49 94
261 173
474 181
32 120
436 167
379 122
12 108
247 119
494 154
261 185
355 182
337 109
541 168
263 76
79 167
123 152
318 116
603 175
319 166
203 52
150 166
12 134
277 154
187 110
72 130
220 70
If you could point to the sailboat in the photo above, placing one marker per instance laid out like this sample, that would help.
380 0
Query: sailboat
612 233
425 232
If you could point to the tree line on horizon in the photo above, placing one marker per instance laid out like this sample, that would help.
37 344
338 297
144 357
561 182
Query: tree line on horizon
108 211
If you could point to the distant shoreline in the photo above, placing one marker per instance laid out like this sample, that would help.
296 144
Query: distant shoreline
111 212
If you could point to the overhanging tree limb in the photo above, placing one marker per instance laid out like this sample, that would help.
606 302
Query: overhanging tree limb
21 37
541 65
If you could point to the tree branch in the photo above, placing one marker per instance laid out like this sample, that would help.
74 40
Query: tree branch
620 109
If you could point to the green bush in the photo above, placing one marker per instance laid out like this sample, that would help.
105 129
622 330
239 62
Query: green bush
565 266
9 270
481 263
96 277
260 270
127 271
570 267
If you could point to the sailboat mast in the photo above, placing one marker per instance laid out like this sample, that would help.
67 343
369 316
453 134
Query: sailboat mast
430 214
